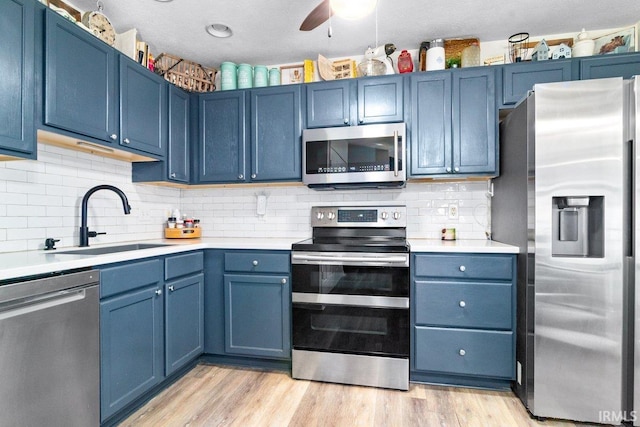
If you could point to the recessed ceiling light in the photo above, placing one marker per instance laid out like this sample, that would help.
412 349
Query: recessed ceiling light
219 30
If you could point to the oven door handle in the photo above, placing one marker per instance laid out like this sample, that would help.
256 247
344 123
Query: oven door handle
337 260
371 301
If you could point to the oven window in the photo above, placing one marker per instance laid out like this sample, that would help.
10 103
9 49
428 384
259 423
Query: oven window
351 155
352 280
350 329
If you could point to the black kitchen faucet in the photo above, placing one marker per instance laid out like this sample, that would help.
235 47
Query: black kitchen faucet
84 229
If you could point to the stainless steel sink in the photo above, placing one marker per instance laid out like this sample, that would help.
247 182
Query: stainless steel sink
112 249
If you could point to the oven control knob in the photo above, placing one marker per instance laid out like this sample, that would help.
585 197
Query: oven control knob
331 216
320 215
384 216
396 215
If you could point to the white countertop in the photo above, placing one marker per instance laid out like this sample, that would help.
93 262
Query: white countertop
29 263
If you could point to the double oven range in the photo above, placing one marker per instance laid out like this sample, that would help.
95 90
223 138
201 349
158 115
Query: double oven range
350 296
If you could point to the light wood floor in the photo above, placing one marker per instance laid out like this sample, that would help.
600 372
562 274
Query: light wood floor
224 396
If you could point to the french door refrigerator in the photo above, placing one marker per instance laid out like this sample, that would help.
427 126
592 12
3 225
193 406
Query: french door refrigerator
568 197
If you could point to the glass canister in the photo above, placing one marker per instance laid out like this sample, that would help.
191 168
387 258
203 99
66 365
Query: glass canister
229 78
471 56
260 76
435 55
274 77
245 76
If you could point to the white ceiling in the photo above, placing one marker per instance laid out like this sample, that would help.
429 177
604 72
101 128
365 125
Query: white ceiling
267 31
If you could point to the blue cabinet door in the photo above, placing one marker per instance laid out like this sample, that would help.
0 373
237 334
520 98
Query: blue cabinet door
257 315
143 109
600 67
179 135
184 321
430 127
519 78
214 302
80 81
221 155
328 104
131 347
475 122
17 90
276 134
380 99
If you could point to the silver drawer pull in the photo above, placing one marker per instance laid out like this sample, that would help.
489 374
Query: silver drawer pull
461 352
462 304
158 291
254 262
283 281
463 268
171 288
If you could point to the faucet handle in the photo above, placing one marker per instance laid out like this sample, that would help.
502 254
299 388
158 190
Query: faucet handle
50 243
94 233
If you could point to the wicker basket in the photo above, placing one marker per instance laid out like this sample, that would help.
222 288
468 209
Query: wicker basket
185 74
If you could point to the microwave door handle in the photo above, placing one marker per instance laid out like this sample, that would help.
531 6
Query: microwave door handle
395 153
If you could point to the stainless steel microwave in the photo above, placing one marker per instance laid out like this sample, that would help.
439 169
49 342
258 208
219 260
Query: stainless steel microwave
354 156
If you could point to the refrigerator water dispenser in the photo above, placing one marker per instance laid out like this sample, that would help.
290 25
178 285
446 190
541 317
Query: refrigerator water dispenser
577 223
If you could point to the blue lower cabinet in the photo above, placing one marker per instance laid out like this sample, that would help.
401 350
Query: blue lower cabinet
257 315
184 321
132 351
463 319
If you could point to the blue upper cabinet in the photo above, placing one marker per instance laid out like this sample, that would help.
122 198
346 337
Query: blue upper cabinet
603 66
221 152
329 104
380 99
519 78
80 81
17 91
453 127
143 109
179 135
475 122
276 133
349 103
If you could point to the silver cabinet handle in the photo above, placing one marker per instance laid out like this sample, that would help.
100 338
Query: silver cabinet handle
461 352
173 175
126 141
283 281
456 169
240 176
113 136
448 170
346 120
462 268
254 262
158 291
462 304
171 288
360 121
253 176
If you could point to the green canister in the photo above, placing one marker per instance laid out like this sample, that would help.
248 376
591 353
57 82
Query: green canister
274 77
229 78
245 76
260 76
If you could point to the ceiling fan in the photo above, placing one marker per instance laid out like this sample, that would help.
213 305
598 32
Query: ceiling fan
348 9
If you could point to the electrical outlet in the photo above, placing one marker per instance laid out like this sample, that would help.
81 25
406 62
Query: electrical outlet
452 212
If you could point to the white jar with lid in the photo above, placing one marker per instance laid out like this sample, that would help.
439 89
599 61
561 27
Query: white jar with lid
435 55
584 46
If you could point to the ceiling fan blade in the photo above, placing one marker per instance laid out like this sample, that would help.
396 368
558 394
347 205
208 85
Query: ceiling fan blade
317 16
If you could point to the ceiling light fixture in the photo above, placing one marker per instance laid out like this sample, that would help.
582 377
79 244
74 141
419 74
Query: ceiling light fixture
353 9
219 30
163 1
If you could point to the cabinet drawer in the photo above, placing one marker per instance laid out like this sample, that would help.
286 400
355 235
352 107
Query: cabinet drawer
123 278
466 305
464 266
181 265
462 351
257 262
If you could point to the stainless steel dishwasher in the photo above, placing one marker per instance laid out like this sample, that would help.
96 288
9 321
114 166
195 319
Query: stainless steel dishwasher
50 351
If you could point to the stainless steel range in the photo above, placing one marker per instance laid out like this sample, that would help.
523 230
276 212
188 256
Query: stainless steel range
350 297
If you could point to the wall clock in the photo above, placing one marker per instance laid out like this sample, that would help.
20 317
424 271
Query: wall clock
99 25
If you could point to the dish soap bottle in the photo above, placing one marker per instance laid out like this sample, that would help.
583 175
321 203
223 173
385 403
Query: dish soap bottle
471 56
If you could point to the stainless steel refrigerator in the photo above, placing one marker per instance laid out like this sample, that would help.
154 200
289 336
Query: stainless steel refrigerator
568 196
